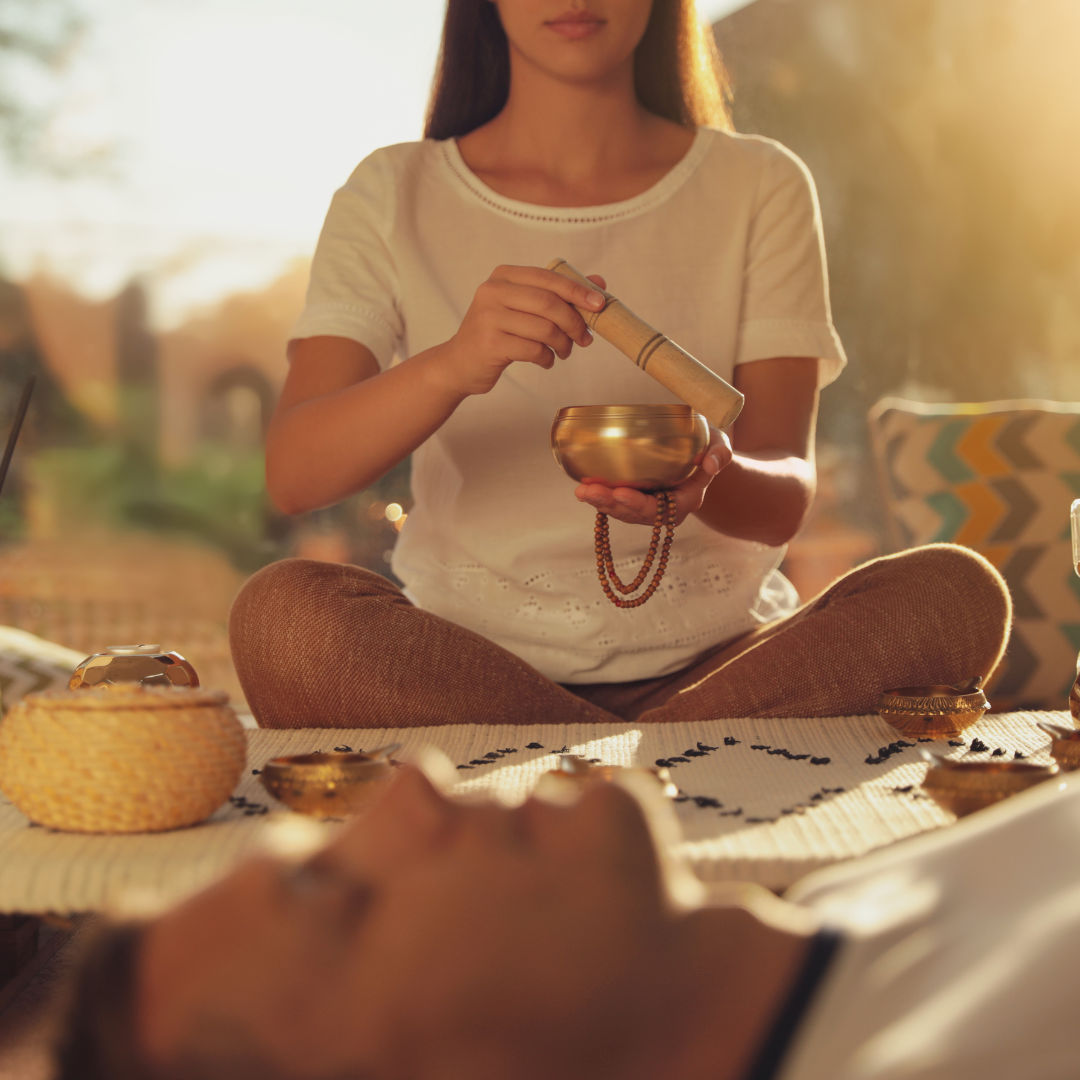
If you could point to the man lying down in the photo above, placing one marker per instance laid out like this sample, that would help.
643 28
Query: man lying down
442 940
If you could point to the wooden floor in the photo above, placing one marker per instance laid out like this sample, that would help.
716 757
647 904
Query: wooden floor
27 1005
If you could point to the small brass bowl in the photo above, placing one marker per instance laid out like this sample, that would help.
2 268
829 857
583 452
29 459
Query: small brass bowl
933 712
966 786
326 785
1064 745
1066 752
649 447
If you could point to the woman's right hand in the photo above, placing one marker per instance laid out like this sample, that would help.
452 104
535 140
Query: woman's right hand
340 423
520 314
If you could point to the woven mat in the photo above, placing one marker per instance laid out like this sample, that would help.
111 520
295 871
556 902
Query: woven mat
760 800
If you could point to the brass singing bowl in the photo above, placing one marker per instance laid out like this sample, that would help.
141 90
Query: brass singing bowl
327 785
648 447
966 786
933 712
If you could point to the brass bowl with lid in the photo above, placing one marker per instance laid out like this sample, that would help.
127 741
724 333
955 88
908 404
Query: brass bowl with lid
147 665
648 447
966 786
933 712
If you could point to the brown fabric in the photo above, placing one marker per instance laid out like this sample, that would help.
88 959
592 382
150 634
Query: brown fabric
325 645
938 614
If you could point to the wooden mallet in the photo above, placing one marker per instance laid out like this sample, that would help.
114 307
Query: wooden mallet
687 378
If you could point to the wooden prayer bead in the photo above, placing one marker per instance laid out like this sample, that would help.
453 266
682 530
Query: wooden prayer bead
609 580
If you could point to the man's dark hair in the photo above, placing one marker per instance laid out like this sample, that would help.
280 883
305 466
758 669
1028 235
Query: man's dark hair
98 1039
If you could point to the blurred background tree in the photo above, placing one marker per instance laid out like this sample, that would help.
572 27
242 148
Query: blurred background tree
36 37
944 138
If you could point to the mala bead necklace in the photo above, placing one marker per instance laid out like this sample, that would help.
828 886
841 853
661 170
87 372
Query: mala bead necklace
605 567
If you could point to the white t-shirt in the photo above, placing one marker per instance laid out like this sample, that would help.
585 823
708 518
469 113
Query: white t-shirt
724 255
960 952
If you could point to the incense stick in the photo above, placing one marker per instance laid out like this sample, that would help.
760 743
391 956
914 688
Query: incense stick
20 415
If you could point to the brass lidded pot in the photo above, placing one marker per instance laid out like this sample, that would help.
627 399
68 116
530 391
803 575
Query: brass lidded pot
148 665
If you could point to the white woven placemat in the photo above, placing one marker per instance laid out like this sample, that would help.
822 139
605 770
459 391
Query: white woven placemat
760 800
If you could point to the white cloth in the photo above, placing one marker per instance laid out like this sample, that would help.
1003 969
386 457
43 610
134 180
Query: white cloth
961 952
724 254
766 800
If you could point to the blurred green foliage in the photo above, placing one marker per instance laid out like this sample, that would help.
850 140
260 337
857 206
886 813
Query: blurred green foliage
218 496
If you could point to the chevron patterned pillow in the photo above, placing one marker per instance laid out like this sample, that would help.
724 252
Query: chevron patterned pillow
29 663
997 477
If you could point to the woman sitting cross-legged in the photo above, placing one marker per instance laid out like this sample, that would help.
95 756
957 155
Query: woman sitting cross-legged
592 130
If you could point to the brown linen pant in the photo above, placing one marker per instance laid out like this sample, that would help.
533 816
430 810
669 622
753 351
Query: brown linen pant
325 645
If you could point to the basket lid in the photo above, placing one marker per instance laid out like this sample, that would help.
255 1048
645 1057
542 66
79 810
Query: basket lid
114 696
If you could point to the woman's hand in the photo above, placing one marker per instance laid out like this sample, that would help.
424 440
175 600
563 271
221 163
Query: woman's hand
521 313
637 508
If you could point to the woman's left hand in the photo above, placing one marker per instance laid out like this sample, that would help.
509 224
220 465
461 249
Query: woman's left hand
638 508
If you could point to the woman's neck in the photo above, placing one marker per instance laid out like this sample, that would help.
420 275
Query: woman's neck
557 143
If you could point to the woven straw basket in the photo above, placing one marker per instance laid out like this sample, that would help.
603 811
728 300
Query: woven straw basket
120 759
